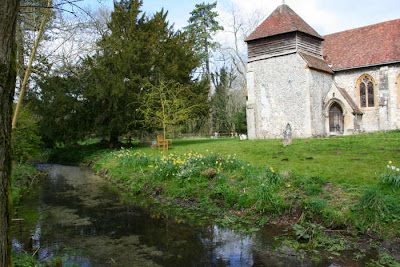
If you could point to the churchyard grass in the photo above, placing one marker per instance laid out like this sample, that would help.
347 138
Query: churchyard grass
354 160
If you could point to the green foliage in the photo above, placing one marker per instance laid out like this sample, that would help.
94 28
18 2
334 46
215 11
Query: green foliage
228 105
307 230
240 121
104 93
137 51
223 83
58 107
26 139
25 260
21 178
383 260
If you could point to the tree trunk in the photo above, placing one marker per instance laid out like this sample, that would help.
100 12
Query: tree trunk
28 68
114 139
8 18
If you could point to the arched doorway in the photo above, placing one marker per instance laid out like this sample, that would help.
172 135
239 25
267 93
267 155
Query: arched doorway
336 119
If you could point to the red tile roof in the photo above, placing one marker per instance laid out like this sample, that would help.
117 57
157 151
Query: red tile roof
316 63
369 45
349 99
282 20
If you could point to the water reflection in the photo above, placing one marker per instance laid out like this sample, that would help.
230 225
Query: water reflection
77 215
87 223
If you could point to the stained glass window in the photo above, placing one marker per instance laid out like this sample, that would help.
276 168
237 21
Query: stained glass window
363 99
367 91
371 94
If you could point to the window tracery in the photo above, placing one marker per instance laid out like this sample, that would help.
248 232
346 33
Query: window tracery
366 91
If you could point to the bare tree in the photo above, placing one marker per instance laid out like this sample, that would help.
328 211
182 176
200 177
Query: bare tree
239 28
63 41
8 18
28 69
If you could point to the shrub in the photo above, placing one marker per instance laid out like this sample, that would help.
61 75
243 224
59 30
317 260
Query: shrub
26 139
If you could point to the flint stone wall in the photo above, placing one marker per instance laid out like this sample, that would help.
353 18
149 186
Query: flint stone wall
386 115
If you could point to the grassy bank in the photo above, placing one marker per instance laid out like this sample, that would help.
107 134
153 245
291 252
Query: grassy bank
355 160
218 184
333 181
327 191
24 176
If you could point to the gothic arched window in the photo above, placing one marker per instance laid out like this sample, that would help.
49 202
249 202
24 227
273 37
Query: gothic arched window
366 91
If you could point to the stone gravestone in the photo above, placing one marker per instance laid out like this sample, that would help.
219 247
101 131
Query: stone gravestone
287 135
242 137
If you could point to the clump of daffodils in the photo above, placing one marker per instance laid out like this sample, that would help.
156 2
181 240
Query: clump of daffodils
391 176
392 167
272 176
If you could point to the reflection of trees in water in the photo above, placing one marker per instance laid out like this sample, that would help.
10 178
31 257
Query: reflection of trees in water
229 248
81 213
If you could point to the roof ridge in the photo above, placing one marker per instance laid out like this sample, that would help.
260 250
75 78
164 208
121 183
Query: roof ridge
366 26
365 46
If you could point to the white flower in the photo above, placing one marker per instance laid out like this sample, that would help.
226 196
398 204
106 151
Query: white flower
393 168
398 169
388 166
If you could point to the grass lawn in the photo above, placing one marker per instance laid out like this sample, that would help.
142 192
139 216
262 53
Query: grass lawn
353 160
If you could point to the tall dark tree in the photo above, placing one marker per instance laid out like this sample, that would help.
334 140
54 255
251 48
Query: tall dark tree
60 107
203 26
137 50
223 83
8 18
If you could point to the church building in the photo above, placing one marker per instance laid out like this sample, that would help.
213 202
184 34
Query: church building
339 84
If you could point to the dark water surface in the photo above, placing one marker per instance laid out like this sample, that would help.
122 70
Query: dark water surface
78 215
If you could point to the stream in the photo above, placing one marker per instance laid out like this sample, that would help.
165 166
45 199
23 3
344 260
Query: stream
80 217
